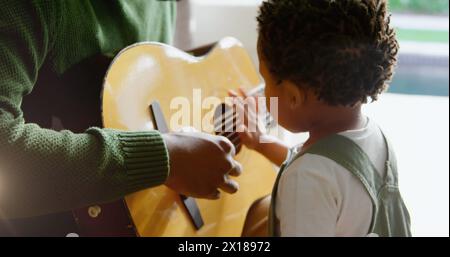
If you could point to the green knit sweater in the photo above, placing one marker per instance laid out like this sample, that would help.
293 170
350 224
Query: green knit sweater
42 170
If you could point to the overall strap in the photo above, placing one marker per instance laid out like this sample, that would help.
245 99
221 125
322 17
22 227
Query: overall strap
391 177
272 217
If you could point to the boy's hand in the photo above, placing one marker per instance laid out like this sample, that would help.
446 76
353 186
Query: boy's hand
248 127
251 132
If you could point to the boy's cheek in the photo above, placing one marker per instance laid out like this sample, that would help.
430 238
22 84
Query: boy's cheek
284 115
294 121
287 118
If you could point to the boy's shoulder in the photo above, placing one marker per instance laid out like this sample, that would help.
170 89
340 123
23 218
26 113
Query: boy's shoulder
331 155
309 166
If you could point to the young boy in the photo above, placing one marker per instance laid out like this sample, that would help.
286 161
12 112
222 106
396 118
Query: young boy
323 59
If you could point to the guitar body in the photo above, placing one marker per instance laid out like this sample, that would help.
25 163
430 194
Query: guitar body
148 72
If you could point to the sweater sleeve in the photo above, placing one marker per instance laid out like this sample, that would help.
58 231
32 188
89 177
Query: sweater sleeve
44 171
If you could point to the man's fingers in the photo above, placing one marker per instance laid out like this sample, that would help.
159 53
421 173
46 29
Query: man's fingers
227 146
214 196
230 186
236 170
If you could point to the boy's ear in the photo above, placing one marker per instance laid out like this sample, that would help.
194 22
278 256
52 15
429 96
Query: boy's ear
294 94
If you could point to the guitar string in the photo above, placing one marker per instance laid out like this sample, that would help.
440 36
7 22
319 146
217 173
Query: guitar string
255 92
234 135
232 115
231 124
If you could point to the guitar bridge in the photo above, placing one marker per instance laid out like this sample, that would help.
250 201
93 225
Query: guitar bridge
159 122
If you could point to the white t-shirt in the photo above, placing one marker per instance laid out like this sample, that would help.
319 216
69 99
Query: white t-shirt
318 197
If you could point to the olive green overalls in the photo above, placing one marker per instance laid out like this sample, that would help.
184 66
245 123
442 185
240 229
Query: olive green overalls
390 216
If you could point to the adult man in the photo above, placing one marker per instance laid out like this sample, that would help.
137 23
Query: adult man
53 55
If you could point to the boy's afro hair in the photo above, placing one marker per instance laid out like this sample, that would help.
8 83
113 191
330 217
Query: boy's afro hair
343 50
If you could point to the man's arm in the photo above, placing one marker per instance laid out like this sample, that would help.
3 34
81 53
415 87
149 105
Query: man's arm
44 171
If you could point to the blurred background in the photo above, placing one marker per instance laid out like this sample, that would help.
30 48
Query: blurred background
414 113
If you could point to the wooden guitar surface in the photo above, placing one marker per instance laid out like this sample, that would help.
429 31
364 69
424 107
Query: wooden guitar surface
146 72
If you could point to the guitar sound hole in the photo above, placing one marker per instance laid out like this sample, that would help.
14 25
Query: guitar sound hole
225 124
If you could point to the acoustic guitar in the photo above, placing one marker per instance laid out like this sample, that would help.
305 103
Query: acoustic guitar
140 85
138 89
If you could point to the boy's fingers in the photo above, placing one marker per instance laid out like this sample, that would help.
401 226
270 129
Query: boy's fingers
240 112
241 128
243 93
250 102
246 116
244 134
232 93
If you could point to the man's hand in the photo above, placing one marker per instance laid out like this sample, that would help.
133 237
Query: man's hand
200 164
